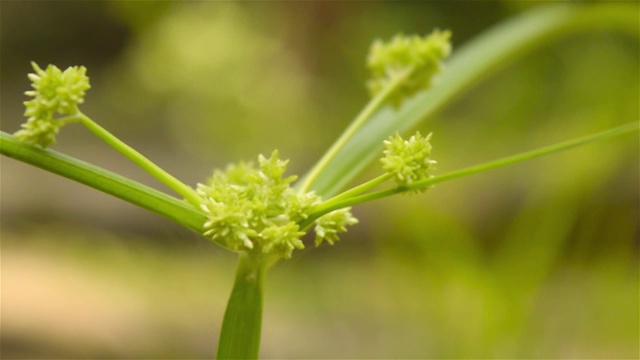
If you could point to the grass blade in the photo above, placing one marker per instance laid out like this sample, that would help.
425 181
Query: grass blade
242 323
105 181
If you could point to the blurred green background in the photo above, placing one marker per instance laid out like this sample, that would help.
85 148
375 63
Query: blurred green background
538 260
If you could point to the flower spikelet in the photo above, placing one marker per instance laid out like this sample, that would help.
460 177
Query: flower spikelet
328 226
414 57
282 240
55 92
408 160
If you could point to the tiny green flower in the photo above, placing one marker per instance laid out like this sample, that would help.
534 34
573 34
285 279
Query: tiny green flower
55 92
415 58
408 160
282 240
328 226
38 130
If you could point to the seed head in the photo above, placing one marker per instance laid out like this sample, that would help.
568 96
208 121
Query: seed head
417 58
408 160
55 93
255 209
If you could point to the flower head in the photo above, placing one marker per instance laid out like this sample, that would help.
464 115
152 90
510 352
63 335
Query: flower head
55 92
255 209
328 226
414 57
408 160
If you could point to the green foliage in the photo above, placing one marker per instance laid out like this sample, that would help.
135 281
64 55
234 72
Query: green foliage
413 59
55 92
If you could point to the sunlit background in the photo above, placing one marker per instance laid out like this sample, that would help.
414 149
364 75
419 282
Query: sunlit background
538 260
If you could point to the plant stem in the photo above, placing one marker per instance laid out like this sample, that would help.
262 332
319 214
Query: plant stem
548 150
362 188
176 185
343 201
242 324
340 198
372 106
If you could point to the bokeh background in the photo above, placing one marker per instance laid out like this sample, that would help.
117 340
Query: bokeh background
539 260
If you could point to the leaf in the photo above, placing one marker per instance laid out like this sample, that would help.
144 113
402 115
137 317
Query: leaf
105 181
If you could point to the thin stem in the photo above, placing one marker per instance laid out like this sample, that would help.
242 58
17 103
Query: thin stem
362 188
343 202
70 118
242 323
372 106
176 185
548 150
340 198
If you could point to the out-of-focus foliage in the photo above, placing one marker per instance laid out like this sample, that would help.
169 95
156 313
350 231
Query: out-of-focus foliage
538 260
213 70
419 56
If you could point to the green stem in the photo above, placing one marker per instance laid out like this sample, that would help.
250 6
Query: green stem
362 188
372 106
242 324
343 202
548 150
176 185
105 181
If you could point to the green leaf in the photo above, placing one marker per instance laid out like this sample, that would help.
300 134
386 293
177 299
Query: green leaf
469 64
105 181
242 323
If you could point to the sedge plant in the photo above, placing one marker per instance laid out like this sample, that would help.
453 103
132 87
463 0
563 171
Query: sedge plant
260 212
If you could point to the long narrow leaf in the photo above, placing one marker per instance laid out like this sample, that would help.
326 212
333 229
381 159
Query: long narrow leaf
471 63
105 181
242 323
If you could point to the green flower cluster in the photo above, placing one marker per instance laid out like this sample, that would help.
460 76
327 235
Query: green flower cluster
329 225
414 58
256 209
408 160
55 92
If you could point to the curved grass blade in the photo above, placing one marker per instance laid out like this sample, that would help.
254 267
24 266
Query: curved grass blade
242 323
105 181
